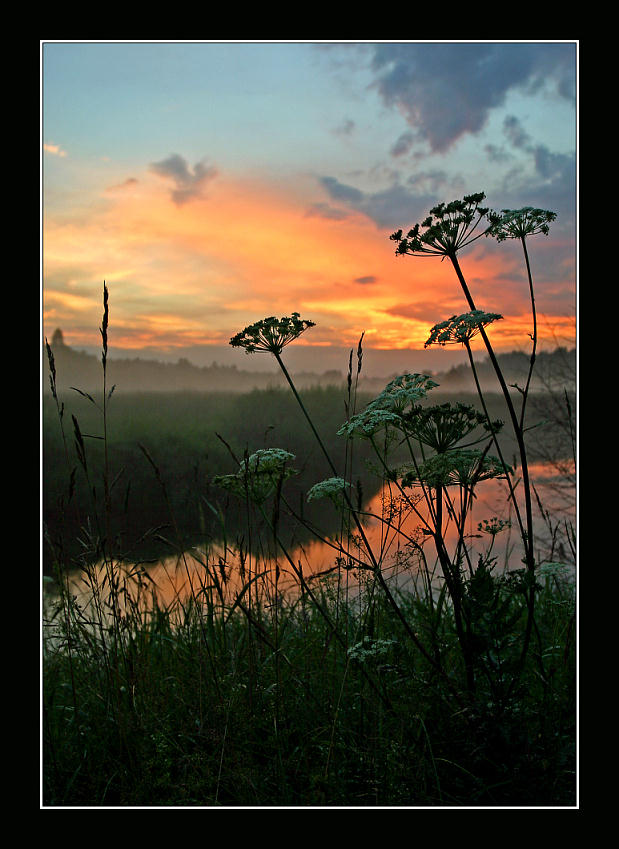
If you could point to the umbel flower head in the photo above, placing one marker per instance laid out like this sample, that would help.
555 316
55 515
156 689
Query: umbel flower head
460 328
519 223
259 475
461 467
271 334
443 426
402 391
387 408
448 228
369 422
332 488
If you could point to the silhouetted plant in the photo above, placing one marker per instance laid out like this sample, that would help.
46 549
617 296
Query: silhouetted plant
448 229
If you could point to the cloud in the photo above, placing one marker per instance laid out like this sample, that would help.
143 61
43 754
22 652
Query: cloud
497 154
394 206
515 132
187 185
54 149
368 278
341 191
346 128
129 183
419 310
325 210
448 90
549 183
403 144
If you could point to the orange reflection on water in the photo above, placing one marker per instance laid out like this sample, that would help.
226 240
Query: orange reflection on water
393 529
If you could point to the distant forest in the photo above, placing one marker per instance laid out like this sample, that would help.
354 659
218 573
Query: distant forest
555 369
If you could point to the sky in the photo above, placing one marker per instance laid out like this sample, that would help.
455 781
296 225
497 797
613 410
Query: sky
212 184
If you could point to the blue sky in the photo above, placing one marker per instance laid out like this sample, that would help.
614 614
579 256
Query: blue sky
214 183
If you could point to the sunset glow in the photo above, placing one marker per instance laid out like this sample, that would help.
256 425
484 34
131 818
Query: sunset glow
191 253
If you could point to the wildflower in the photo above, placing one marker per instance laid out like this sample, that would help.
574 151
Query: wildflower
259 475
519 223
552 570
232 483
442 426
331 488
271 334
267 461
369 422
493 526
460 328
368 649
461 467
402 391
448 228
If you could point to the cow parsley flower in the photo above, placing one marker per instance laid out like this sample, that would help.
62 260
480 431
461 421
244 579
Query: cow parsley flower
448 228
271 461
369 649
271 334
259 475
402 391
332 488
493 526
458 467
443 426
519 223
369 422
460 328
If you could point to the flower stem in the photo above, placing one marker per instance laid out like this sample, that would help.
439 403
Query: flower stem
527 536
534 335
376 567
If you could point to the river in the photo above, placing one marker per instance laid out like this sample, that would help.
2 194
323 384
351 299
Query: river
392 529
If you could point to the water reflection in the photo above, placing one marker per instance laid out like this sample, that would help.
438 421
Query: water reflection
224 575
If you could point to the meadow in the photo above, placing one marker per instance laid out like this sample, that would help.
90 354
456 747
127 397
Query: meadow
456 688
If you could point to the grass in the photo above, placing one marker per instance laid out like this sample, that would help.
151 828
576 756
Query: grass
200 706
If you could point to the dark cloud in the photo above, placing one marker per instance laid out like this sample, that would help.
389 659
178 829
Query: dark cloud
553 184
515 132
340 191
403 144
396 206
448 90
368 278
497 154
188 185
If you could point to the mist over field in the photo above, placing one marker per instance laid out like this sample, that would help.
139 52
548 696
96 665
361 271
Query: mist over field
215 368
377 362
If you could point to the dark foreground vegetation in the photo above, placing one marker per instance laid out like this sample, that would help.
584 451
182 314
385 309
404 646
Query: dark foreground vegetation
257 683
287 706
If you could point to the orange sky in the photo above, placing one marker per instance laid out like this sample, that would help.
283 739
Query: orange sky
197 273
